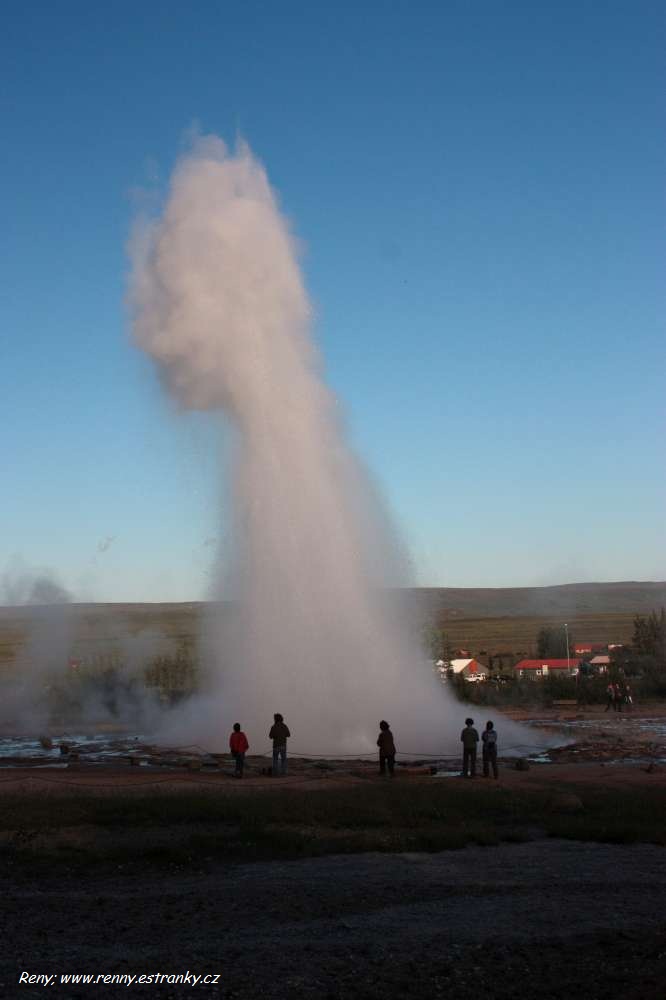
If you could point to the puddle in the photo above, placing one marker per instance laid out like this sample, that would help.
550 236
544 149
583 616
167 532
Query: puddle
616 723
95 749
39 767
634 760
609 739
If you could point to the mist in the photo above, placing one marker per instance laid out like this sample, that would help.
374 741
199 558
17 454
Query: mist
49 686
218 302
42 659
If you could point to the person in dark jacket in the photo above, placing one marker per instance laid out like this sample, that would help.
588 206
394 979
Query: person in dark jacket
279 734
386 748
489 741
619 697
469 738
239 746
610 697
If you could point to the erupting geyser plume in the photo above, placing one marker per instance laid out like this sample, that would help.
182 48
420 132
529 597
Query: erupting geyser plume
219 304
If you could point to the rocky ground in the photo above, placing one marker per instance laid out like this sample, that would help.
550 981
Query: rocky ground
548 919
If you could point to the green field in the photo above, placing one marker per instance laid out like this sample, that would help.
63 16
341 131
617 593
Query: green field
96 634
518 634
293 822
495 621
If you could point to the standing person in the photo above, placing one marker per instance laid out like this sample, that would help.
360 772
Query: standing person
239 746
469 738
279 734
629 701
386 748
619 697
610 697
489 740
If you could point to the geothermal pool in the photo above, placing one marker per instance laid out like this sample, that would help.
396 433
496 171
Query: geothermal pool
70 749
611 740
65 749
25 751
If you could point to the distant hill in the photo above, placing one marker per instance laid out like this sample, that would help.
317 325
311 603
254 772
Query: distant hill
495 619
569 599
509 618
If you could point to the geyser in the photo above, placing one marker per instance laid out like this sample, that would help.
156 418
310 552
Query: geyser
218 302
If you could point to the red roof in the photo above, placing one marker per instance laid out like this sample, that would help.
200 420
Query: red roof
551 664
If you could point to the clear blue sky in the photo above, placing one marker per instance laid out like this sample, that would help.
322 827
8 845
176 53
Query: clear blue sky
479 188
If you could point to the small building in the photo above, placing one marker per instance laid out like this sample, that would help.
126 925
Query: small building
545 668
600 663
589 648
470 669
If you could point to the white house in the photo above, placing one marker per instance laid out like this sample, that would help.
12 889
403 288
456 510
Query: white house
470 669
600 663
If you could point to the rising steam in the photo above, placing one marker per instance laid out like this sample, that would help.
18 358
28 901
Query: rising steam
218 302
43 688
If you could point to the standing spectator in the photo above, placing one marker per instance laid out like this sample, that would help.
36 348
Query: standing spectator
239 746
469 738
386 748
279 734
619 697
489 740
610 697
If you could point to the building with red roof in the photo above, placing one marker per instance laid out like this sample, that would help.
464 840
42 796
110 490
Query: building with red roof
544 667
583 648
470 669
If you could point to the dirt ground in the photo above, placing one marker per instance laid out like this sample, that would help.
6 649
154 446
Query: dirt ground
110 780
544 920
652 710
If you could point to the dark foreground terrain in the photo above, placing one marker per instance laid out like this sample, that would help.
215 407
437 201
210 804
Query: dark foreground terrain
549 883
547 919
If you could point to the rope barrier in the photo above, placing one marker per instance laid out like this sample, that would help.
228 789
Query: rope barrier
359 755
143 782
299 754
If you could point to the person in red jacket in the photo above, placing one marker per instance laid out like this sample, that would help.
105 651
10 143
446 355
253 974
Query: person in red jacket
238 745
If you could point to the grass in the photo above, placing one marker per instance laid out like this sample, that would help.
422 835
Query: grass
613 817
285 823
519 633
96 627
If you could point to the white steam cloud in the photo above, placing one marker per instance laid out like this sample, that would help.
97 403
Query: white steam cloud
42 689
42 657
218 302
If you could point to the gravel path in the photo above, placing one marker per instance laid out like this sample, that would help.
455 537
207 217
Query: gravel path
548 919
